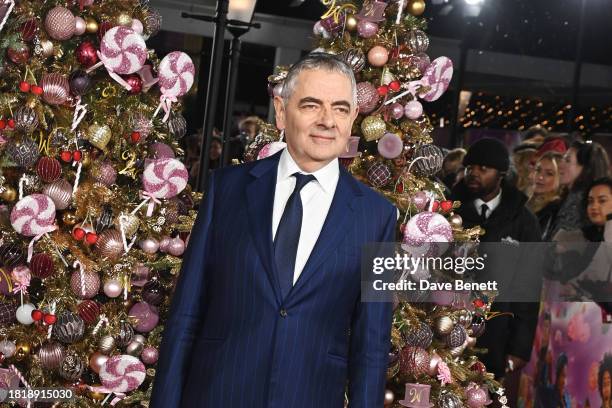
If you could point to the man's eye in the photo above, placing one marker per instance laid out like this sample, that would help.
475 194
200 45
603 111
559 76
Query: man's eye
342 110
309 107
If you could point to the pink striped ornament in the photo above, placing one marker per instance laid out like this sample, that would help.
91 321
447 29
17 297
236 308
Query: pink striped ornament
122 373
164 178
33 215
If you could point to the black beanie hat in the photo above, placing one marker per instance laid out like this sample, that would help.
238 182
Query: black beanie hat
488 152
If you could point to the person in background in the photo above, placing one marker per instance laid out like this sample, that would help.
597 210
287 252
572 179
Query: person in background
214 155
248 128
583 163
559 396
546 201
535 135
451 166
604 381
523 160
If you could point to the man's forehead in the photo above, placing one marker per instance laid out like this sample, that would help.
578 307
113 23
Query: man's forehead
323 81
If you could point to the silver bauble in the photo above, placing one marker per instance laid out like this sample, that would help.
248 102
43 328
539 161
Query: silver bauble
354 58
417 41
125 334
71 367
23 152
60 192
51 355
69 328
26 120
427 160
177 126
106 344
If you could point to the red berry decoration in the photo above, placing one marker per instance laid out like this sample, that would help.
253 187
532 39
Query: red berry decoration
78 233
91 238
435 206
479 367
86 54
135 82
135 137
36 90
24 86
37 315
11 123
394 86
77 155
49 169
50 319
446 205
479 303
2 124
382 90
66 156
42 265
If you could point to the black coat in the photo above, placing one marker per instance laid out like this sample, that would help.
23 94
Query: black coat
546 218
505 335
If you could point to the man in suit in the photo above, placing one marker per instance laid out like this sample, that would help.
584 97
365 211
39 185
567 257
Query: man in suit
267 310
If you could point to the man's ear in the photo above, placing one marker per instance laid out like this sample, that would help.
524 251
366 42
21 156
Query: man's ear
279 109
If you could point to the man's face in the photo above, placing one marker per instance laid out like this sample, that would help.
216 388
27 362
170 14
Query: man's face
606 386
318 116
481 180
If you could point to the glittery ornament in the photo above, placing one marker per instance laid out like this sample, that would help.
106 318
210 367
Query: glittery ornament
420 336
42 265
416 7
149 245
397 110
449 400
51 355
60 23
477 327
149 355
48 169
141 123
367 29
378 56
96 361
379 174
71 367
413 110
476 396
22 151
11 255
414 361
99 135
106 344
417 41
367 97
7 313
69 328
130 223
26 120
104 173
8 348
79 82
428 160
373 128
85 285
125 334
28 29
18 52
60 192
443 325
152 22
456 337
177 126
153 292
124 19
354 58
89 311
56 88
86 54
110 244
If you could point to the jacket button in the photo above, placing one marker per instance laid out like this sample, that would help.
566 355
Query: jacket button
283 313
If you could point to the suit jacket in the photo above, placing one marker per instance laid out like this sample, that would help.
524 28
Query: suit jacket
231 341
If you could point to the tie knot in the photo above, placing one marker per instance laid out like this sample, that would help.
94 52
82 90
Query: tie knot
301 180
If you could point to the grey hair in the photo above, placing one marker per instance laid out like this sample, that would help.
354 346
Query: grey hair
318 60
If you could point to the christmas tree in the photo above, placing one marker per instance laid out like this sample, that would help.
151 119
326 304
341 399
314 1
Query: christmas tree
432 359
95 208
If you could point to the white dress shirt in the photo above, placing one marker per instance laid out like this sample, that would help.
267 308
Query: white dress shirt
492 205
316 199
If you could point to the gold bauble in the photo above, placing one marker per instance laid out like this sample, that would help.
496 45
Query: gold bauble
99 135
86 160
124 19
455 221
47 48
106 344
351 22
9 194
110 244
130 223
22 350
373 128
416 7
91 26
443 325
95 395
68 218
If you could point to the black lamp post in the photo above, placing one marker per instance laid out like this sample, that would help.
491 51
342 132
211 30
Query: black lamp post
229 13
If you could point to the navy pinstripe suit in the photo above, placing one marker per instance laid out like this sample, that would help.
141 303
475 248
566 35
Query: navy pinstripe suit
230 342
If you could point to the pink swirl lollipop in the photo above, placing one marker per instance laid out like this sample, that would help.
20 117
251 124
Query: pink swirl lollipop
437 77
33 215
164 178
122 50
176 73
426 234
122 373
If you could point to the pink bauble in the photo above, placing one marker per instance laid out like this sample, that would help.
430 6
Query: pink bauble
113 288
367 97
96 361
163 243
80 26
422 61
420 199
145 317
140 275
477 397
105 174
33 215
397 111
413 110
60 23
56 88
176 73
176 247
60 192
390 146
149 355
367 29
149 245
165 178
319 30
137 26
51 355
122 50
122 373
85 285
278 89
378 56
427 234
162 151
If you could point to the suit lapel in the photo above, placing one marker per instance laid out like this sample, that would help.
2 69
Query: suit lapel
335 227
260 197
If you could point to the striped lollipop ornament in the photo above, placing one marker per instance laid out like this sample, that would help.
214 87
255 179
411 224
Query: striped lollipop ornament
122 373
176 73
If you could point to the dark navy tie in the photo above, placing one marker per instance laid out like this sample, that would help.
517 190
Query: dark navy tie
288 234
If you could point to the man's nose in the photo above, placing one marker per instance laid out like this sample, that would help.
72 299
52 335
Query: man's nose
327 118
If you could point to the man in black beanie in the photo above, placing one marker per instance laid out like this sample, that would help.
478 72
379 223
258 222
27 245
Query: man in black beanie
499 208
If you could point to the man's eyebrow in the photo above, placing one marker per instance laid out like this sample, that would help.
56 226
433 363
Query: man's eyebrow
311 99
342 103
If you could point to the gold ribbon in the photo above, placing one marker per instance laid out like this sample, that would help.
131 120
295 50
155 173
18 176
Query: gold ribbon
335 10
492 315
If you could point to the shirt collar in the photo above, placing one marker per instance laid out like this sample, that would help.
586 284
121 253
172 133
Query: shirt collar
327 176
491 205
